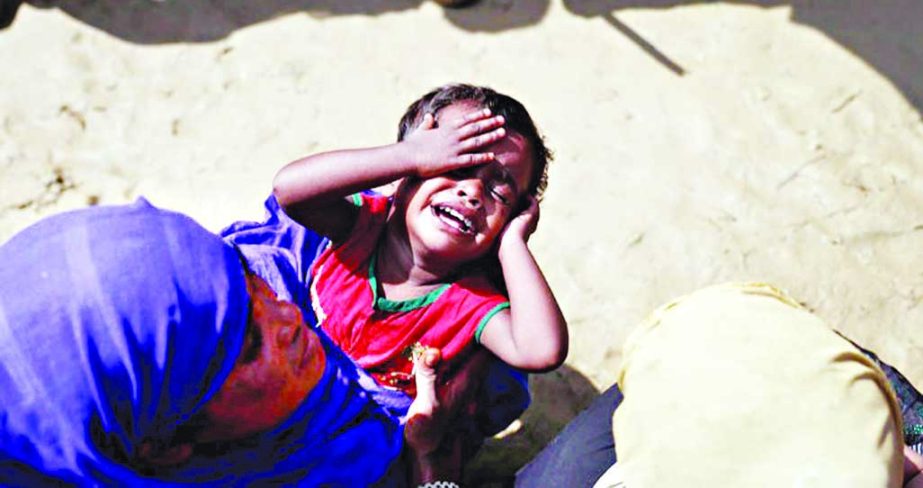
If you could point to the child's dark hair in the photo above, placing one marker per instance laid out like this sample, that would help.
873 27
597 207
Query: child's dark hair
514 113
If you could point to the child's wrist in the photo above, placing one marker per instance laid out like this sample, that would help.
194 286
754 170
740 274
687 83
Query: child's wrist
407 157
429 467
413 159
510 244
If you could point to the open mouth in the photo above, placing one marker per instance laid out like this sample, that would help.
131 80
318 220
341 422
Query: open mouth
454 219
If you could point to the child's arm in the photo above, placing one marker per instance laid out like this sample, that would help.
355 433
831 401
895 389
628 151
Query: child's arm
312 189
432 452
532 335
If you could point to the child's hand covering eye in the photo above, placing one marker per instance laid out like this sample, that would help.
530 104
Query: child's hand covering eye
439 148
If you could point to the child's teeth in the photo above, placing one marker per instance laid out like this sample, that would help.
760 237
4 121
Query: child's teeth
466 224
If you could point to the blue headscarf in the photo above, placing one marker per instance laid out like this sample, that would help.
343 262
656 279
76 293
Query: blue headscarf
119 323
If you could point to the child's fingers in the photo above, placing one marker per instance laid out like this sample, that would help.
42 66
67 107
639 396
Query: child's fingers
424 373
482 140
528 217
428 122
471 117
472 159
425 428
532 207
480 126
534 212
430 359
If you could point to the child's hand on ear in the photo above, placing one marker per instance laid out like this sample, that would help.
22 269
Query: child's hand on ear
439 148
521 226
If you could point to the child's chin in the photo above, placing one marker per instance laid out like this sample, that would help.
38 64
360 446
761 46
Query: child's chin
447 249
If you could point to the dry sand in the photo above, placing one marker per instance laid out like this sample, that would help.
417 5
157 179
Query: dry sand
697 142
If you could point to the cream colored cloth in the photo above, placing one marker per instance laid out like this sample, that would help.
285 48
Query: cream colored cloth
739 386
612 478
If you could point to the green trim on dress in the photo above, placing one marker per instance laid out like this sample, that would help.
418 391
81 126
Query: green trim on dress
385 305
490 315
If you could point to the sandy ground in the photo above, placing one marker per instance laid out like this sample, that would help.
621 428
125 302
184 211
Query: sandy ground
697 142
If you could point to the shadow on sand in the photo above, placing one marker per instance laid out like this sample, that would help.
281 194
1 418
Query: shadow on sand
557 397
886 34
168 21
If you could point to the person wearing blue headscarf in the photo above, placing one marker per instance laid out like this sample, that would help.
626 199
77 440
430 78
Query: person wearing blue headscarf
136 349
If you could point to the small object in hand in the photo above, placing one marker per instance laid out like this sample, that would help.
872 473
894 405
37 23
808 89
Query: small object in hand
416 351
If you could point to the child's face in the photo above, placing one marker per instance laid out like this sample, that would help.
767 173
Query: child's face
459 215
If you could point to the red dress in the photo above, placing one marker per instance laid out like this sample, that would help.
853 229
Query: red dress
380 334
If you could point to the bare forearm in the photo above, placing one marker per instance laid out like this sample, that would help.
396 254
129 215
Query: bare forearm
538 329
442 465
431 453
427 151
311 189
326 177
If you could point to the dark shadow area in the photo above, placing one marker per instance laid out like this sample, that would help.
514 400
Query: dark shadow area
168 21
8 9
499 15
886 34
557 397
